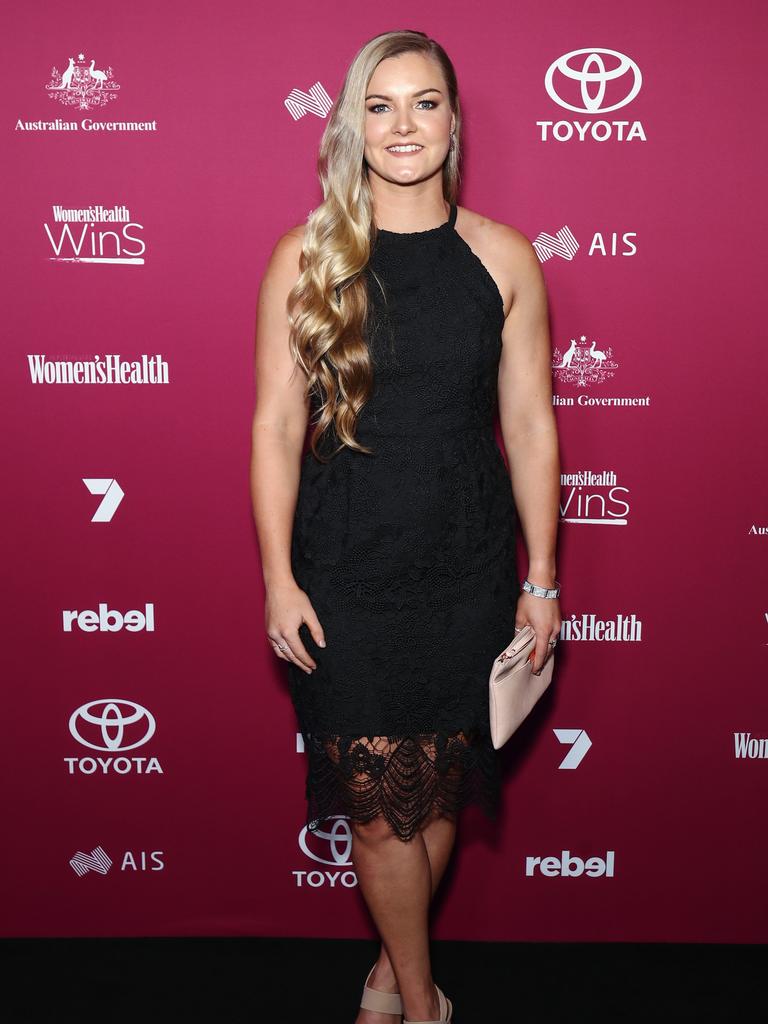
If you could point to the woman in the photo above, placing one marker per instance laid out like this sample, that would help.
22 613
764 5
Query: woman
398 322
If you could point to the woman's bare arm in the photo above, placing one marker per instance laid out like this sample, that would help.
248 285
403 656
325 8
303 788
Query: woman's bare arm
279 426
280 414
529 428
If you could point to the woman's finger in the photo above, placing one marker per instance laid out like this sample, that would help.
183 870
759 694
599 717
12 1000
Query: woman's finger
549 651
280 647
300 654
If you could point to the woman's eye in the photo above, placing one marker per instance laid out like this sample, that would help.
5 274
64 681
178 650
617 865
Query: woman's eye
375 108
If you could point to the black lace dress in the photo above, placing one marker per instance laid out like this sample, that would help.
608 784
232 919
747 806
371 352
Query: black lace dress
408 554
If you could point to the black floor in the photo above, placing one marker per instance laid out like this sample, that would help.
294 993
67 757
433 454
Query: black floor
229 981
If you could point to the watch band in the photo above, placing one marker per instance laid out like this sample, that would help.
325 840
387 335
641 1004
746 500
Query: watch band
532 588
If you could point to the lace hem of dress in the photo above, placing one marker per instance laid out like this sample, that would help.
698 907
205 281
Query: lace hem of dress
407 779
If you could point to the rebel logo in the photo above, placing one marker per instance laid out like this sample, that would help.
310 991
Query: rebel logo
108 620
568 865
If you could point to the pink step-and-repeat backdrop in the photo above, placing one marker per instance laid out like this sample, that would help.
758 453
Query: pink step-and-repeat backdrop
152 770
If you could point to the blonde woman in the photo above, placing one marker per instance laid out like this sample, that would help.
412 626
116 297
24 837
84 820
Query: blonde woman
397 323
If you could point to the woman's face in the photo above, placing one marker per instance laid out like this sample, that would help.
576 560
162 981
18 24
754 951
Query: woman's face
407 105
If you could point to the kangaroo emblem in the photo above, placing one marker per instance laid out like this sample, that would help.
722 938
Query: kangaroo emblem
66 77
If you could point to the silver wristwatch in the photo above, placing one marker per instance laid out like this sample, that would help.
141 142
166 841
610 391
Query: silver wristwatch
537 591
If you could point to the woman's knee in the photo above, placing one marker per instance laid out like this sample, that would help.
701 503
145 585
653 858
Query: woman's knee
439 820
375 831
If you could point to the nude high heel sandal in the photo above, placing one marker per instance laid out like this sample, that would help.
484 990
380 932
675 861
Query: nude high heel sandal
446 1011
382 1002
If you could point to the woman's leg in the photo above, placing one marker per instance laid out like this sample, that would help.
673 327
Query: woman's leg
398 880
439 838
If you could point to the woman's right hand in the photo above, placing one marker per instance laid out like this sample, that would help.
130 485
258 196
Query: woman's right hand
287 607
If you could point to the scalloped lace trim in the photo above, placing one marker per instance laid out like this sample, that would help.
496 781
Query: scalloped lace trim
407 779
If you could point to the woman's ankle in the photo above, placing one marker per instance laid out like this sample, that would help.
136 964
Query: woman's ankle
384 977
422 1007
384 965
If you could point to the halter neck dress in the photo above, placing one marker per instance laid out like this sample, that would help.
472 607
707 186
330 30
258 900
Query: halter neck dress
408 553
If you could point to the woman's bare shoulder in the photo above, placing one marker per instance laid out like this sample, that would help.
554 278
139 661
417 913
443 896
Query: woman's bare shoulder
284 260
504 250
297 233
291 241
487 232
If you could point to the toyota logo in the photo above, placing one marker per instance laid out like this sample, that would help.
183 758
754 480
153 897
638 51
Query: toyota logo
338 839
591 72
108 719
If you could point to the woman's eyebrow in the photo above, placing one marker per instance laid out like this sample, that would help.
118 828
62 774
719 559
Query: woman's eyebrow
379 96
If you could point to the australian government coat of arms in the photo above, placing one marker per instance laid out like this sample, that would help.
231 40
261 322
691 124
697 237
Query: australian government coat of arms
583 364
81 84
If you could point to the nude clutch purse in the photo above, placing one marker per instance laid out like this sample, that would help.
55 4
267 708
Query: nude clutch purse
513 688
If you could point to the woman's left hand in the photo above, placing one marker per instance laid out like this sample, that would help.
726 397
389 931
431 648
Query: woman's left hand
543 613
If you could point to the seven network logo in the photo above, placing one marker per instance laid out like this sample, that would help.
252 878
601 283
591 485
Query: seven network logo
87 242
113 497
578 743
82 86
592 81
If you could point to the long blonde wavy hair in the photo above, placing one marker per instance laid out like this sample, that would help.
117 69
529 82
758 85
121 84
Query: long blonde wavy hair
327 335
